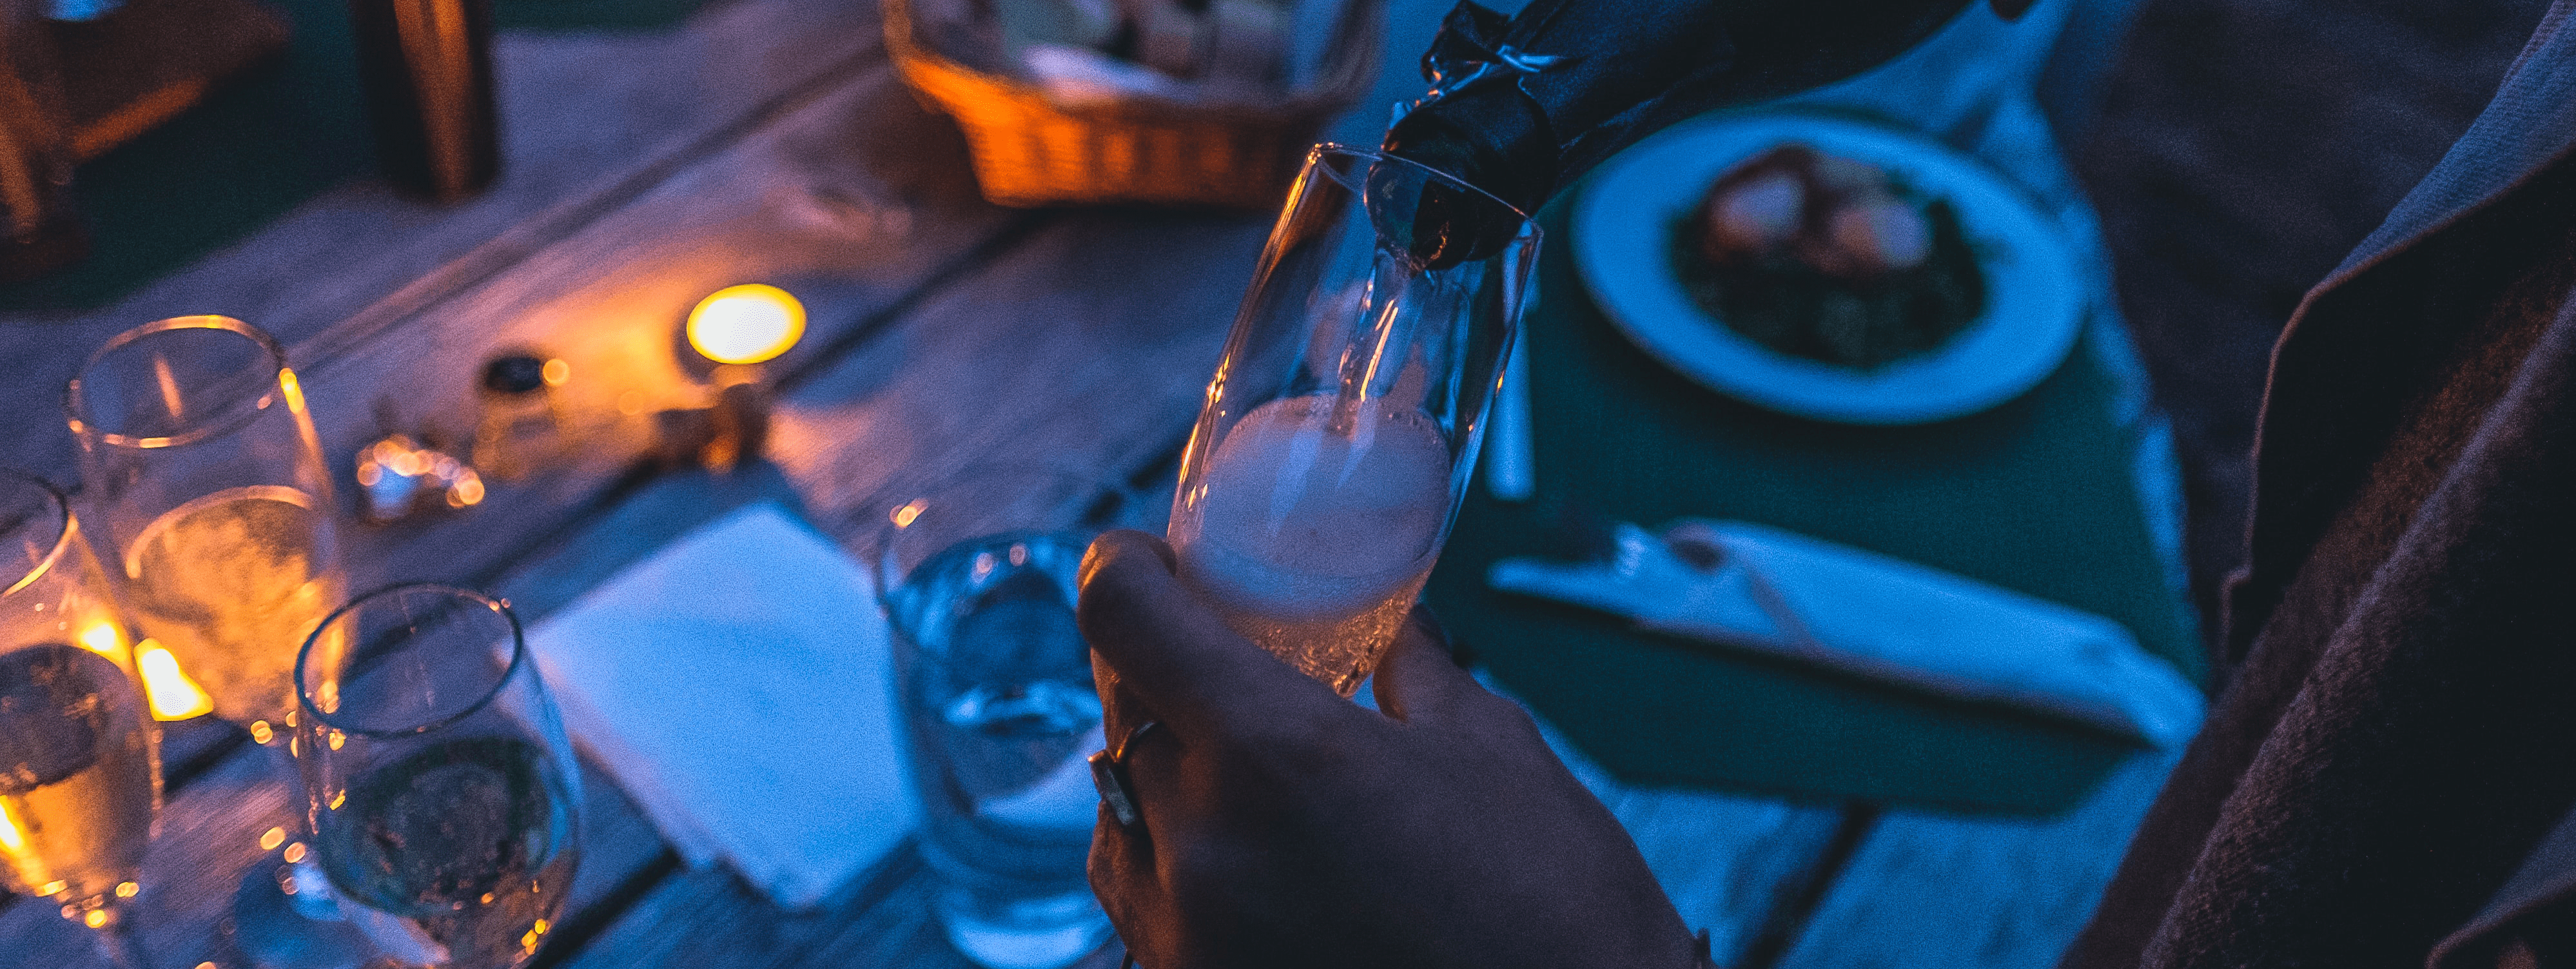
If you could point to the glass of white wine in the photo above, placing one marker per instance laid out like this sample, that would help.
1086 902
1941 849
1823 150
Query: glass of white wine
444 797
199 455
213 502
80 773
1341 427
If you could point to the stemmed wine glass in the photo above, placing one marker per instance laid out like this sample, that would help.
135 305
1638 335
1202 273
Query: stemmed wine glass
80 772
201 462
1341 426
443 795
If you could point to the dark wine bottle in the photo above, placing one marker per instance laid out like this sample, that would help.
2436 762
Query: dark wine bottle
426 66
1521 106
42 231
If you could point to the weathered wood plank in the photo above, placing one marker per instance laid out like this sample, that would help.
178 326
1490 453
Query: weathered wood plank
710 919
1727 861
1086 350
853 200
1936 890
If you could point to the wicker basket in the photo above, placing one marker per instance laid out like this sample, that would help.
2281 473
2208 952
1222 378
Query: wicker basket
1030 151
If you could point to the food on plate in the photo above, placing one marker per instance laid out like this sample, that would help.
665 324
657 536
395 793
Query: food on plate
1829 258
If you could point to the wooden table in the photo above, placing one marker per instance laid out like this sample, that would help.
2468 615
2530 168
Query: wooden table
769 140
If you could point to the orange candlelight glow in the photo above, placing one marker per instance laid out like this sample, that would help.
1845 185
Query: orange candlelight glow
102 638
11 839
173 695
746 324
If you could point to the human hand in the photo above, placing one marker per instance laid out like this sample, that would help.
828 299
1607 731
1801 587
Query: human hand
1284 826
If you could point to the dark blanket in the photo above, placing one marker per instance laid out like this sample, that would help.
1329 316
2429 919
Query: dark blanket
2398 741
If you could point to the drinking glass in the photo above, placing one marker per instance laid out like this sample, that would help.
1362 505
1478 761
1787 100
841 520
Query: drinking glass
198 454
442 793
207 478
998 706
1341 427
80 772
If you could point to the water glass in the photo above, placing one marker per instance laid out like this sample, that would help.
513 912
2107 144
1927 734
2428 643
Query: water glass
1341 427
442 792
999 709
198 453
80 774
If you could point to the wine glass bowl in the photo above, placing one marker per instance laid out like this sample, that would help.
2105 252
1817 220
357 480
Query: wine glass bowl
201 460
1343 420
80 774
443 794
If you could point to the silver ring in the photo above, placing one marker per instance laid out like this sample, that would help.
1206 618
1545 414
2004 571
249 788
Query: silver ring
1109 774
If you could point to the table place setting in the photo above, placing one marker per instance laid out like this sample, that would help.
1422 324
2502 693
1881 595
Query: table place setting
1869 528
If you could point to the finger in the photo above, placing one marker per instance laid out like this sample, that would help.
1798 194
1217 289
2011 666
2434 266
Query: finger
1418 679
1174 655
1120 710
1155 779
2011 9
1122 876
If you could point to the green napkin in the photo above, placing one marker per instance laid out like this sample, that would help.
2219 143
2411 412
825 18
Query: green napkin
2035 495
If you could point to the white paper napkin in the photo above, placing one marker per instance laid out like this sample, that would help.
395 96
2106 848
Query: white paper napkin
1886 619
737 686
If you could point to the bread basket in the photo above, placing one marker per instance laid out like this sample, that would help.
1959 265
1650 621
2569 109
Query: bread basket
1030 150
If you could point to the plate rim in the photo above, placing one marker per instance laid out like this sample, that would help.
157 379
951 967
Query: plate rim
2008 350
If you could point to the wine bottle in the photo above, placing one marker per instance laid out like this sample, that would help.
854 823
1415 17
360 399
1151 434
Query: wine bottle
1524 105
426 66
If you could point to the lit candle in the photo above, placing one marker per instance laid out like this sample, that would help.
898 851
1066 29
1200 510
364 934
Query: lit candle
746 324
738 327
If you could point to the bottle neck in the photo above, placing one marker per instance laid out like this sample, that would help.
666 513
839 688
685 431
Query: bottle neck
1523 106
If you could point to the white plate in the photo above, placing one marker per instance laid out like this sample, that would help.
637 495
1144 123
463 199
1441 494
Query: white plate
2034 293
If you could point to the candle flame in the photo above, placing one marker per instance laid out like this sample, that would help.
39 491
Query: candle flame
10 837
174 696
746 324
102 638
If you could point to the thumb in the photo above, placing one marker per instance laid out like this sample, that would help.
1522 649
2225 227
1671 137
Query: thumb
1419 678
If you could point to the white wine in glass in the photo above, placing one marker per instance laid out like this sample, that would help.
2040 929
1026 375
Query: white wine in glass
201 459
224 578
199 453
80 774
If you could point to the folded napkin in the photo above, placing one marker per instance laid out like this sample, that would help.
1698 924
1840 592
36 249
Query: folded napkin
737 686
1869 615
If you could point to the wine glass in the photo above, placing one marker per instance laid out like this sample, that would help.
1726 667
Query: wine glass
199 456
442 793
1341 426
80 771
201 462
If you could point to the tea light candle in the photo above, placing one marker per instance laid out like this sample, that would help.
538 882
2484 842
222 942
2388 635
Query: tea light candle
746 324
738 327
